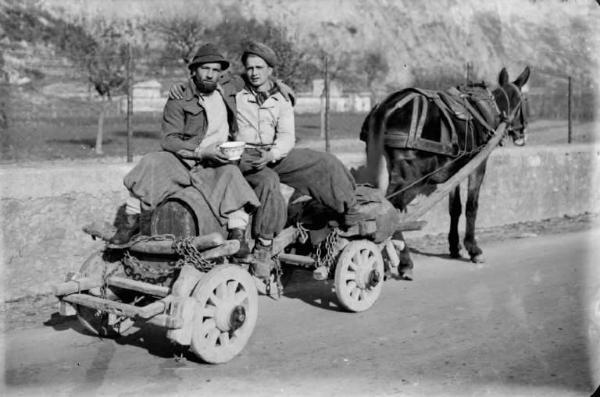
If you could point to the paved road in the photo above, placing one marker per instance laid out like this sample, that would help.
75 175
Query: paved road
514 326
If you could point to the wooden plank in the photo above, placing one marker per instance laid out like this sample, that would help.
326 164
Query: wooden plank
71 287
140 286
118 308
165 247
166 321
442 190
154 308
297 259
410 225
229 247
285 238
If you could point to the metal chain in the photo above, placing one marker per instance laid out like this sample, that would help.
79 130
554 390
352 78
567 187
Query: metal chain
330 247
278 273
159 274
191 255
302 233
139 271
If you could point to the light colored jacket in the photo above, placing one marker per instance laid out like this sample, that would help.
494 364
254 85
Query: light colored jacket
271 123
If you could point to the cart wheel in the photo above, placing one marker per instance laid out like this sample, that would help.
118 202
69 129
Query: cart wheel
98 322
225 314
359 275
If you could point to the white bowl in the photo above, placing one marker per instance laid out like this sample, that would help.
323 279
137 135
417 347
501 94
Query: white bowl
232 150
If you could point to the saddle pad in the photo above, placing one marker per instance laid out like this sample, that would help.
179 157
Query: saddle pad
411 135
462 105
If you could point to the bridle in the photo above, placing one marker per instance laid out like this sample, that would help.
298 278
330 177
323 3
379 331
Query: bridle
514 129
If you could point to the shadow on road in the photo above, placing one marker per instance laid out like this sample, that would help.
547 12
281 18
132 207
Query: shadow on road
316 293
151 338
438 255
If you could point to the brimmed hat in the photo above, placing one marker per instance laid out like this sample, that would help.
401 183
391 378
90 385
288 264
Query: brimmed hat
261 50
208 53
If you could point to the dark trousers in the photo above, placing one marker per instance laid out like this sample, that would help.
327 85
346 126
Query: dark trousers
317 174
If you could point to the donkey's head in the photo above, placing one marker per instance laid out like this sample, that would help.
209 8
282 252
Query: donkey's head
511 102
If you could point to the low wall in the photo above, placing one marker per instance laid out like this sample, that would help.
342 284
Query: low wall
43 206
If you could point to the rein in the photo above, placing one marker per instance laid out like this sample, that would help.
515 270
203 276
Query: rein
509 119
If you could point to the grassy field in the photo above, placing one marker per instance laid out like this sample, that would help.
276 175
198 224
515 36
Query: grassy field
70 138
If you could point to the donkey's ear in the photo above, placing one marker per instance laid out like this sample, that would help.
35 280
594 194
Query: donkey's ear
503 78
523 77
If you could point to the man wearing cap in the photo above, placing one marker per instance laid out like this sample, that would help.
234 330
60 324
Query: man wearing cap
192 129
265 121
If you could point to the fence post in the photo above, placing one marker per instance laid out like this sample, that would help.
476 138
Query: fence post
129 103
326 88
569 111
469 69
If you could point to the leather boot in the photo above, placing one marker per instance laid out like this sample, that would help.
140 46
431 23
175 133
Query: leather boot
263 260
240 235
129 227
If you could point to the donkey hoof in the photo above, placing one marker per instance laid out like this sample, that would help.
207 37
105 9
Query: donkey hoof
405 274
477 258
455 255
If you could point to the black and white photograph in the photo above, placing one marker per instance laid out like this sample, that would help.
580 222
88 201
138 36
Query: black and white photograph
300 198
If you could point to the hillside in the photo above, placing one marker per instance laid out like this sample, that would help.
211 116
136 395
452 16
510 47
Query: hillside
426 43
417 37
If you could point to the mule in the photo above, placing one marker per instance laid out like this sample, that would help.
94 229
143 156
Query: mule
418 138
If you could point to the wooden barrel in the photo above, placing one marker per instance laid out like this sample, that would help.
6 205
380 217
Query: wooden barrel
174 216
184 214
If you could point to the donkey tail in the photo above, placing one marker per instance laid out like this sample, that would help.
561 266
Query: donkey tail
373 133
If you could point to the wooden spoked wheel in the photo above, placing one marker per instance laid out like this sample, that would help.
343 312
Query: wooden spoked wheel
225 313
359 275
95 321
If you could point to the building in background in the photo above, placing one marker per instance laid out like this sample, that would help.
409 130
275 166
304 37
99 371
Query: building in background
312 102
147 97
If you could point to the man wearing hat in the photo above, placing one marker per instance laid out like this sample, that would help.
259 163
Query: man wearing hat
192 129
265 121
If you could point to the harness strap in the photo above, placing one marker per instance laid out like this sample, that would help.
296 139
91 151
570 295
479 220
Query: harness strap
475 113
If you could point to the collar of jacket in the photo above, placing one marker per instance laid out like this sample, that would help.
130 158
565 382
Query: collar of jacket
271 92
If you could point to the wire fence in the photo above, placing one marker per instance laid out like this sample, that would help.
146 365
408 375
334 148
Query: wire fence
46 92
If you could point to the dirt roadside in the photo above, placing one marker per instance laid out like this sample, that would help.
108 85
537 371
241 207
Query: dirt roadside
32 312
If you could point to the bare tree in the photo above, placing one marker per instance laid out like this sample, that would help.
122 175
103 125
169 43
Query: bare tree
106 68
236 31
182 36
375 68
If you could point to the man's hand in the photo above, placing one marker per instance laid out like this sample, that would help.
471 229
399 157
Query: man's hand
211 153
286 91
265 158
176 91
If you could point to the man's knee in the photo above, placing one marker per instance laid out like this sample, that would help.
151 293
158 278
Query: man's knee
266 179
156 159
154 165
230 169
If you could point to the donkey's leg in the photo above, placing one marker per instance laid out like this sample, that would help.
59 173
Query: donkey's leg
455 209
475 180
405 268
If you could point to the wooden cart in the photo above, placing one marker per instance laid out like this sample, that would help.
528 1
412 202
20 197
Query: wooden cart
210 304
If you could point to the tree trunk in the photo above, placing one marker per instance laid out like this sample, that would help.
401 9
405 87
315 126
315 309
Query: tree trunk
100 134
